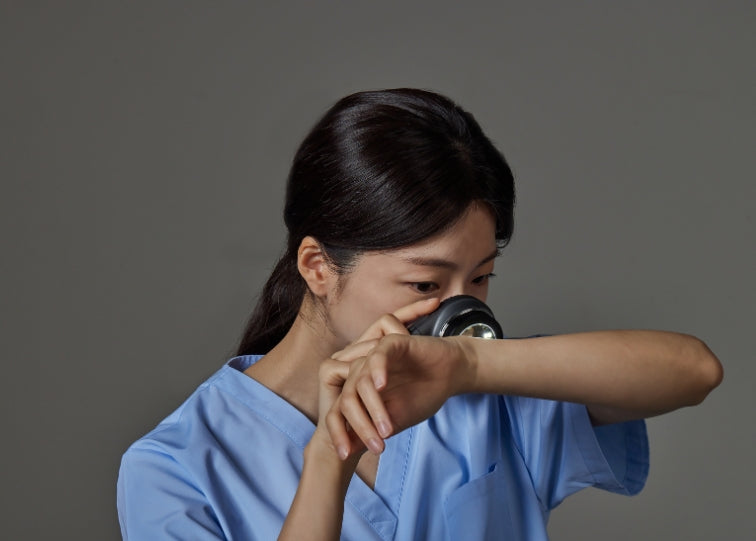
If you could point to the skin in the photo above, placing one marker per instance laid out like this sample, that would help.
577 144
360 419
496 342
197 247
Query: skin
341 308
349 364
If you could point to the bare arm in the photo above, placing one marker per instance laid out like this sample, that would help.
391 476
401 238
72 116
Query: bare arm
619 375
318 507
317 511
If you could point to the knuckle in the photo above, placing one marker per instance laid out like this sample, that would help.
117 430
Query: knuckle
348 395
392 339
325 368
331 419
388 320
364 386
354 369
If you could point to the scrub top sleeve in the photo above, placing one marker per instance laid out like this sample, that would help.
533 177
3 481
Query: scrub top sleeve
564 453
157 500
618 454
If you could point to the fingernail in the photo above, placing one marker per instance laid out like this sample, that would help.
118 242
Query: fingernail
342 451
384 429
375 445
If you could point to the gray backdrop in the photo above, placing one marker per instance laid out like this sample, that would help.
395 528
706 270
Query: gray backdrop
143 153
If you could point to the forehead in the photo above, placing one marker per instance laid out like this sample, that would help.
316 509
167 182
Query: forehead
477 227
472 239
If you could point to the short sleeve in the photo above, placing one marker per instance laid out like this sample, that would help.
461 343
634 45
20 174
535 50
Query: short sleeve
565 453
157 500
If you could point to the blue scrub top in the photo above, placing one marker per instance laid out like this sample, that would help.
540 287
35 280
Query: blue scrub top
226 465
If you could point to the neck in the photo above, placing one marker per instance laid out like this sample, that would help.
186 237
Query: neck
291 368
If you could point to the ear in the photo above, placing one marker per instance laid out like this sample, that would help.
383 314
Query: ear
314 268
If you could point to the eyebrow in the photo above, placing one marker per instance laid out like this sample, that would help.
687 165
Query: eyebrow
445 263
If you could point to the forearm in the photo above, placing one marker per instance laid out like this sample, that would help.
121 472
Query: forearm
318 507
620 375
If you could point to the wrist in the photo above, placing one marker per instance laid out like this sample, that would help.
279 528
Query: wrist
321 453
467 381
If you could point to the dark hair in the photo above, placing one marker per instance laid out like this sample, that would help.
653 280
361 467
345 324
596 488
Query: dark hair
381 170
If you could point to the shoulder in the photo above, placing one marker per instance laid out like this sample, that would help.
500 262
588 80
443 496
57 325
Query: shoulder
179 431
176 469
220 423
203 416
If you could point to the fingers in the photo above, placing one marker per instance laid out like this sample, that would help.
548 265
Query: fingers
343 439
355 351
361 403
385 325
348 423
395 323
352 412
351 406
333 373
332 376
411 312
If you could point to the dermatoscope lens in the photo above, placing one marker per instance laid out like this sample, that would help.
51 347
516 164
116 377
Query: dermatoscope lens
479 330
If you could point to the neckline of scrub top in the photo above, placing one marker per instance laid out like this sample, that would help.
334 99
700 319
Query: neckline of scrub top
379 506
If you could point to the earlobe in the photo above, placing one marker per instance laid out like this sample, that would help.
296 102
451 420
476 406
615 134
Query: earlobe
314 268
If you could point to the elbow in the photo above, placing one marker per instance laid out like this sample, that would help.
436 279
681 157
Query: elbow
708 371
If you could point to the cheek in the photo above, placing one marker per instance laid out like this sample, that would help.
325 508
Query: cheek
356 311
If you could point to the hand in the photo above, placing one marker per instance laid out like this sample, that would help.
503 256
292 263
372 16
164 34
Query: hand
401 381
335 371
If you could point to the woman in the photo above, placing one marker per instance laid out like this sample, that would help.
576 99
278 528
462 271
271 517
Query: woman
332 421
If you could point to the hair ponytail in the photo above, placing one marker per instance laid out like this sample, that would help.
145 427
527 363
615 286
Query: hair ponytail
276 308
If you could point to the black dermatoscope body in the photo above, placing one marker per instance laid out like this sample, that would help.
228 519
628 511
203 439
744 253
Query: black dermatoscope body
462 315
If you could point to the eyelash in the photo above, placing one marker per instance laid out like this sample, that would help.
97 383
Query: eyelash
417 287
480 280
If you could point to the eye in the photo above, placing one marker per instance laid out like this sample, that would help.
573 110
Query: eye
481 280
424 287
